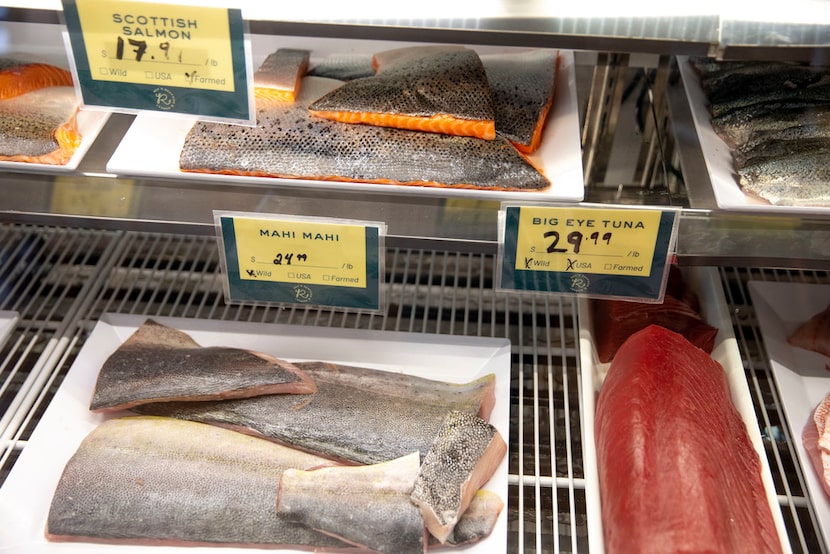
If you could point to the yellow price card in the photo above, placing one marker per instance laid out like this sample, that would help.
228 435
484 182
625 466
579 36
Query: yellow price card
156 56
285 259
595 251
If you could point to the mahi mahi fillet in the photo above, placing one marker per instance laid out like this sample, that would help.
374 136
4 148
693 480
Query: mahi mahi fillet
677 471
153 480
159 363
358 415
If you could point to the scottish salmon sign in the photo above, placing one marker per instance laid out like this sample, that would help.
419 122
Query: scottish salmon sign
591 251
301 260
133 55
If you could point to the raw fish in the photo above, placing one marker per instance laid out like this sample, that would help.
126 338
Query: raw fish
677 471
40 126
357 415
463 457
279 76
615 320
291 143
146 480
813 334
443 90
477 521
366 506
159 363
18 77
816 442
522 85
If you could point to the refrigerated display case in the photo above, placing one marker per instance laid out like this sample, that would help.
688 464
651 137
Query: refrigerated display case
97 238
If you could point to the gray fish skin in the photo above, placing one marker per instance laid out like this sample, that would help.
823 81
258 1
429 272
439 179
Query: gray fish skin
813 124
282 69
344 66
798 140
366 506
465 454
739 79
28 122
735 128
522 87
446 81
159 363
152 480
477 521
817 93
347 419
290 143
800 179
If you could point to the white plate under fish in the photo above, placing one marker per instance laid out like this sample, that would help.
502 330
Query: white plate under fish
27 492
706 283
718 156
800 375
152 144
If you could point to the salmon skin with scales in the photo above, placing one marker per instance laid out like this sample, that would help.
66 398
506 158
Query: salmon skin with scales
40 126
157 481
358 415
522 85
677 470
280 74
159 363
441 91
289 142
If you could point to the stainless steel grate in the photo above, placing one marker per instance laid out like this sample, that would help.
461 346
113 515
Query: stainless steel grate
61 281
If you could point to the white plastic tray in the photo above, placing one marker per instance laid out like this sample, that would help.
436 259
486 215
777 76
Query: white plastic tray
800 375
27 492
705 282
152 145
8 320
718 156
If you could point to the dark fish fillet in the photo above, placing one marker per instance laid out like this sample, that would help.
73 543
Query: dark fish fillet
343 66
801 178
357 415
522 87
465 454
158 363
40 126
777 142
439 91
288 142
145 480
367 506
736 127
280 74
677 471
818 93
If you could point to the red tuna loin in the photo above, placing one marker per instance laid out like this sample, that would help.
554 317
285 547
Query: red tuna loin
615 320
677 471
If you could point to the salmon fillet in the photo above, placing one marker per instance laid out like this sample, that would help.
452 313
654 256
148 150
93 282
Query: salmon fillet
40 126
440 91
18 77
816 442
677 470
280 74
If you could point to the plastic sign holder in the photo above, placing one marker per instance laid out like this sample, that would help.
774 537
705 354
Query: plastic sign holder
586 250
144 56
310 261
